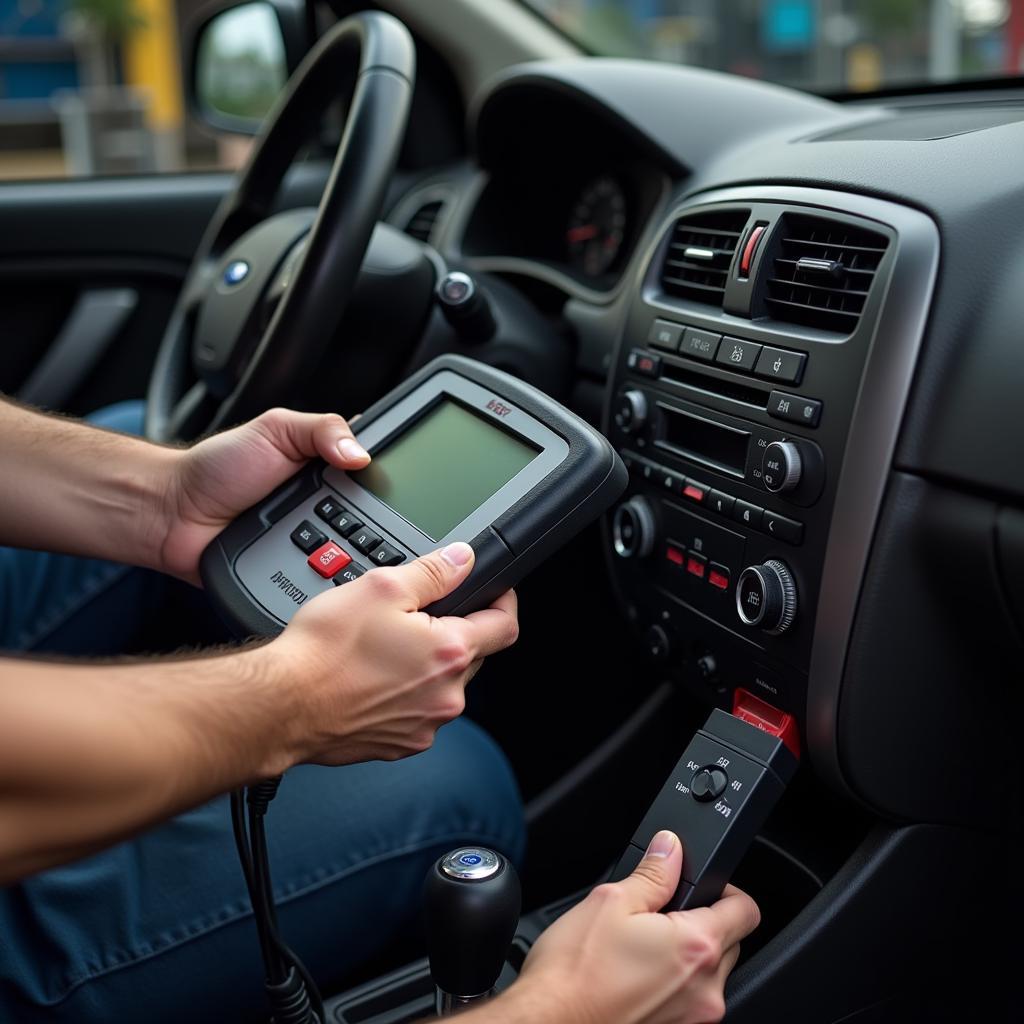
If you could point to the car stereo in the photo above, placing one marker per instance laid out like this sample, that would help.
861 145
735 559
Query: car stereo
754 396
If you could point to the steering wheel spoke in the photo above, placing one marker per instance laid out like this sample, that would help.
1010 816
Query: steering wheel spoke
193 413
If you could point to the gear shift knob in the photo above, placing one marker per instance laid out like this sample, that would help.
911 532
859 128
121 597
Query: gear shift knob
471 901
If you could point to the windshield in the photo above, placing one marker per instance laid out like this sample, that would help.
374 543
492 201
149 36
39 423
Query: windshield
825 46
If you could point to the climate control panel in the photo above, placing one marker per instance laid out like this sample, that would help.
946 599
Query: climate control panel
733 422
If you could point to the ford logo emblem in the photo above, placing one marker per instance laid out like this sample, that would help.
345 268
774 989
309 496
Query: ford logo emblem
236 272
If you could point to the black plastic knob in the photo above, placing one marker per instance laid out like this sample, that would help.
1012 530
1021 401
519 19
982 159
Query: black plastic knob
466 307
472 901
781 467
766 597
631 411
634 529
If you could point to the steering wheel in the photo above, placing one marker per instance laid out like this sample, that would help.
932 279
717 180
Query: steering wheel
225 356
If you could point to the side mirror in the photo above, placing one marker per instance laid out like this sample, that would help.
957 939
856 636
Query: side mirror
242 57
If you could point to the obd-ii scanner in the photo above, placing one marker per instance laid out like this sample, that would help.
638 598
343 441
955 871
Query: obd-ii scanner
460 452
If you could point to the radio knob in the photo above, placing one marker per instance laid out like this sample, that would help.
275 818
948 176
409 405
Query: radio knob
781 466
634 529
766 597
631 411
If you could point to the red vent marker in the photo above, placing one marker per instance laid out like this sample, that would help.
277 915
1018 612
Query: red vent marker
767 718
750 248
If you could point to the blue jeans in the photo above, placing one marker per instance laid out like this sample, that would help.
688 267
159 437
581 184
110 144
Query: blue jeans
160 928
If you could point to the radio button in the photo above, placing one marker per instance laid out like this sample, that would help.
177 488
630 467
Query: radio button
647 364
699 344
747 514
737 355
720 502
346 523
785 529
385 554
794 408
695 491
718 576
696 565
665 334
778 364
672 482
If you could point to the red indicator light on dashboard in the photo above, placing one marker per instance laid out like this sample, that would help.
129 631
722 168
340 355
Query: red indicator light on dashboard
695 567
718 579
766 717
750 249
675 556
695 492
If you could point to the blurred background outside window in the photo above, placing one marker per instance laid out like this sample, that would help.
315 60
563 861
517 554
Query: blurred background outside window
825 46
94 87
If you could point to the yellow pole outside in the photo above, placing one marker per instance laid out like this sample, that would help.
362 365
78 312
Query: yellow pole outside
151 64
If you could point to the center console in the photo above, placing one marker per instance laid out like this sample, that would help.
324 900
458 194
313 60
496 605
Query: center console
755 397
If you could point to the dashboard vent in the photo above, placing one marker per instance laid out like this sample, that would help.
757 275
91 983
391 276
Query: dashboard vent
421 224
823 271
700 253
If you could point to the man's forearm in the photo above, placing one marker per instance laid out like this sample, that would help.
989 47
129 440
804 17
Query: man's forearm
77 489
91 754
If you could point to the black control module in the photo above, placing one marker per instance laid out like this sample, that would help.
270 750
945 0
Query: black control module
716 799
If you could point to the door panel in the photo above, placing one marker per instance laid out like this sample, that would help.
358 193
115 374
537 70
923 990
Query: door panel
62 240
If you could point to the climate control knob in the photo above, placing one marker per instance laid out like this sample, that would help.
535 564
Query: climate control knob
634 529
781 467
631 411
766 597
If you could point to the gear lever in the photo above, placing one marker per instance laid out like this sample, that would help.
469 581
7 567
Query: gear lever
471 901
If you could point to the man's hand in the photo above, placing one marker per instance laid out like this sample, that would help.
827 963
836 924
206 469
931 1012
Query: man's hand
614 960
219 478
372 677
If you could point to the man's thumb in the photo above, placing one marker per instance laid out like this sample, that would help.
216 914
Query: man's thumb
655 878
436 575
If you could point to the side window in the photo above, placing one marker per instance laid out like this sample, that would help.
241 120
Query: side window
95 87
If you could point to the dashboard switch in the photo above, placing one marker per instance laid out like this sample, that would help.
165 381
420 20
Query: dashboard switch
737 355
794 408
665 334
766 597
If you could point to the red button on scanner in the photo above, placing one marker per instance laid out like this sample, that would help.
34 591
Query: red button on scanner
329 559
766 717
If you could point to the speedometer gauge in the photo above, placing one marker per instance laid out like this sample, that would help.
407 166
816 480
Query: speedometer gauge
597 227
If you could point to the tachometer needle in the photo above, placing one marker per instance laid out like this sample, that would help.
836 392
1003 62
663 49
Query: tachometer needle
581 233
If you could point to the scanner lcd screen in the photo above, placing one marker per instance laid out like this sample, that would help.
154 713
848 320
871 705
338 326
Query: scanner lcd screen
444 467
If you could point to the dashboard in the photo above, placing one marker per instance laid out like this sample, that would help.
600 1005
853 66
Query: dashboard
799 314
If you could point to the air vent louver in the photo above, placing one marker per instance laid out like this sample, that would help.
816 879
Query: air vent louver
822 272
700 253
421 223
